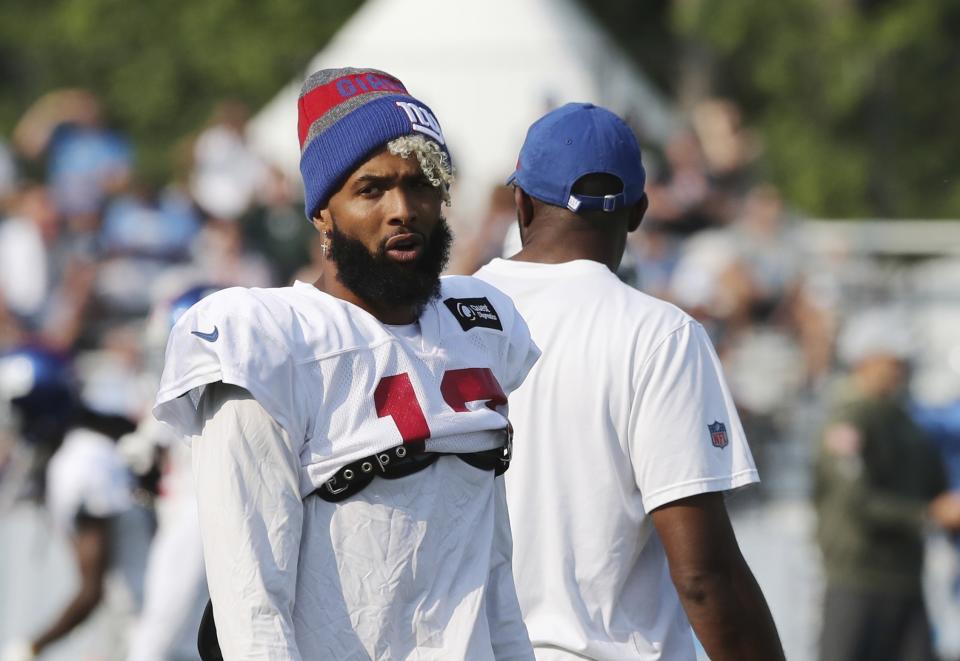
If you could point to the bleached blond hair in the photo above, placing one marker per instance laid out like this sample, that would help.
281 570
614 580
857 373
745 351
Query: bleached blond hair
433 161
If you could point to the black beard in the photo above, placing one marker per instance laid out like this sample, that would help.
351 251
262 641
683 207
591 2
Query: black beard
378 280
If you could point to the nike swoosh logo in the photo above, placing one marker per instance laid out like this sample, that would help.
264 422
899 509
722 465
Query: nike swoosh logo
209 337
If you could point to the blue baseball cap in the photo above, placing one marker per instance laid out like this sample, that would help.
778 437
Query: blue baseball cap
575 140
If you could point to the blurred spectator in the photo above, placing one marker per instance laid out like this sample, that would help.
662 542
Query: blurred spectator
878 482
85 160
276 226
112 371
226 174
491 239
223 258
89 495
145 223
684 195
744 272
37 403
651 257
774 303
769 249
45 274
728 148
26 237
142 233
708 281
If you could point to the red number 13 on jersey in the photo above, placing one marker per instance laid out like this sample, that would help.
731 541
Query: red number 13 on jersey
394 397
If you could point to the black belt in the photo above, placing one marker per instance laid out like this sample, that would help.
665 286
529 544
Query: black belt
404 460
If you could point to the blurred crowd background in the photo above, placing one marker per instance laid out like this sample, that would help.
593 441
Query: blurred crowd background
804 206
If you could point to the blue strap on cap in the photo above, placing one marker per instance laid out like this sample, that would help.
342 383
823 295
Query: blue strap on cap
607 203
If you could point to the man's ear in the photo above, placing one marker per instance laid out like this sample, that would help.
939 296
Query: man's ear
322 222
524 206
636 213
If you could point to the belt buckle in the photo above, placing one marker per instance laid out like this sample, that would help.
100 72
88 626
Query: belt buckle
329 486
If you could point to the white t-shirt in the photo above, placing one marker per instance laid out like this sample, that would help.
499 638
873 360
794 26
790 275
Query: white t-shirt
627 410
415 567
87 476
24 280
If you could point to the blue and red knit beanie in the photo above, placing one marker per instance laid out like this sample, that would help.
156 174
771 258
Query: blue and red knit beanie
344 116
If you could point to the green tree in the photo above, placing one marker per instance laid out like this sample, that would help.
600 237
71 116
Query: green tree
159 67
856 100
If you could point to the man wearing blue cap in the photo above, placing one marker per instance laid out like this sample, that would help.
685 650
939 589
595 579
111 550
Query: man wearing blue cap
626 432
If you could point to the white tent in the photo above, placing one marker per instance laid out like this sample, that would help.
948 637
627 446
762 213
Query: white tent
488 69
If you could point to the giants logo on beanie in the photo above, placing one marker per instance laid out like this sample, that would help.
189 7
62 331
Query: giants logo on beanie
344 116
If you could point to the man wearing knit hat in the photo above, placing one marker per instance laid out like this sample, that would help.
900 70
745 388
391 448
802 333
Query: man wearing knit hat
347 435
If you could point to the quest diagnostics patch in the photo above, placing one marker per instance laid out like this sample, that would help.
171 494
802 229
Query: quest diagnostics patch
473 313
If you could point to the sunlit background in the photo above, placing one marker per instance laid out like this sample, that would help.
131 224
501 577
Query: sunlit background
802 160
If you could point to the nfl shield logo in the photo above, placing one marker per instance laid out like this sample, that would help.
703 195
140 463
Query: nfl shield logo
718 434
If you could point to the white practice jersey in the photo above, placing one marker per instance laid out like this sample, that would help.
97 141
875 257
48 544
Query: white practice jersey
416 567
626 411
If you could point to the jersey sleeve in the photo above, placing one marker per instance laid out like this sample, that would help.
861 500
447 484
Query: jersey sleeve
232 338
685 434
251 519
521 351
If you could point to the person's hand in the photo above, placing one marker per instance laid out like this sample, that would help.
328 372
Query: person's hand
944 510
18 650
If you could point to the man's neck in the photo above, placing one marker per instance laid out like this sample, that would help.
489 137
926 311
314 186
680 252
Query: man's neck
562 249
394 315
